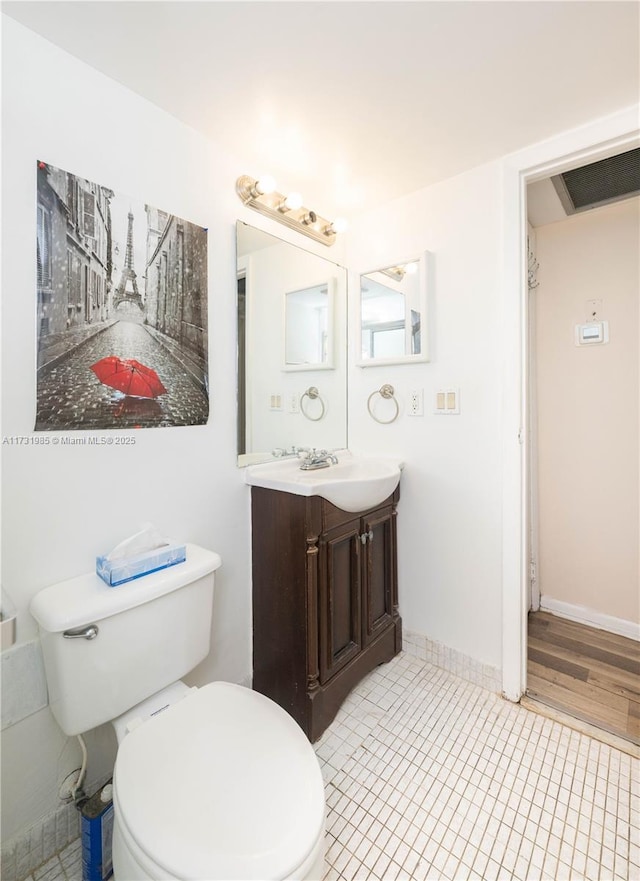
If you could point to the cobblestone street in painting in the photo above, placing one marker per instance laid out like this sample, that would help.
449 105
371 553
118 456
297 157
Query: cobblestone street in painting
70 395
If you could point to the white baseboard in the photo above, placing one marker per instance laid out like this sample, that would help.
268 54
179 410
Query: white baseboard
584 615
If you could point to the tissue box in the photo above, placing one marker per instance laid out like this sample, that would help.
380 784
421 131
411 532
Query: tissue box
115 572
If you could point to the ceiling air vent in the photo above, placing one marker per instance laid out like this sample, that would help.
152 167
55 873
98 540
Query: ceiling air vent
609 180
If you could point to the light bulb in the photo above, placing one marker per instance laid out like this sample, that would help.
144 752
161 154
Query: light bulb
293 202
265 185
411 268
339 225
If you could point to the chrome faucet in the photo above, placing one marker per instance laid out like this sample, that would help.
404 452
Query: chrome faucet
318 459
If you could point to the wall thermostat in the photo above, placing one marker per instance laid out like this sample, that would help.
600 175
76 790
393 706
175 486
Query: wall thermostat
592 333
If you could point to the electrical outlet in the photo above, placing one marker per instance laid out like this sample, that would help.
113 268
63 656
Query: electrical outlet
416 403
294 403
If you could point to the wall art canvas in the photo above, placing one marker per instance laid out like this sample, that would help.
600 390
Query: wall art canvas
121 310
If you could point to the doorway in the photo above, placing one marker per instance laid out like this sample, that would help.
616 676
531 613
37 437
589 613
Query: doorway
604 137
241 365
583 479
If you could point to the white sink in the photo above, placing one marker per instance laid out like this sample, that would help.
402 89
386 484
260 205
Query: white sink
356 483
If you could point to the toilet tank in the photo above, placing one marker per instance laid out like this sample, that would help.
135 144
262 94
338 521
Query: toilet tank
150 633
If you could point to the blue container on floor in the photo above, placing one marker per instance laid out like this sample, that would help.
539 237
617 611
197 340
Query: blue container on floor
96 823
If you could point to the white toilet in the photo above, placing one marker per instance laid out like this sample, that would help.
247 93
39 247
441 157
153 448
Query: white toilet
216 782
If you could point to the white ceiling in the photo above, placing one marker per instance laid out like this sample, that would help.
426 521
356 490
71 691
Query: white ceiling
355 103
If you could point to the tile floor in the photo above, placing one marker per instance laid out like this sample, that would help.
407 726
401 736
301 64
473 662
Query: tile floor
66 866
431 777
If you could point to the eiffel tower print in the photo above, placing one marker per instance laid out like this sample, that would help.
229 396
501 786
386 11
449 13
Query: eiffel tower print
110 315
127 290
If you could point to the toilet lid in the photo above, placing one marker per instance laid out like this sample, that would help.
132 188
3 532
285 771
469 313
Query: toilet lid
222 785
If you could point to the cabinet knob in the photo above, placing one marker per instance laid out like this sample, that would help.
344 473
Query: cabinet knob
366 536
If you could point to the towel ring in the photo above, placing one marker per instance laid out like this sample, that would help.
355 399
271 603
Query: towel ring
313 394
386 391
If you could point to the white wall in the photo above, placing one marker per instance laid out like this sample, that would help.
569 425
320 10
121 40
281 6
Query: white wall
449 516
588 439
64 505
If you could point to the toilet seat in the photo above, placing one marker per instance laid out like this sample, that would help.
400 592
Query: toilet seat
222 785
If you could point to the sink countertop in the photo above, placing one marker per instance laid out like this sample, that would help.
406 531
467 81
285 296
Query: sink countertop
356 483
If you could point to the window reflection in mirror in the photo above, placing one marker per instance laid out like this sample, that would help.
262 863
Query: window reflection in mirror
292 335
309 328
393 306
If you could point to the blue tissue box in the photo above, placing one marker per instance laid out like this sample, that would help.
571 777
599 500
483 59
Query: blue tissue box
115 572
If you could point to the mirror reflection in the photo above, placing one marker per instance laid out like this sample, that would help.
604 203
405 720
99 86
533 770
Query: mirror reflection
292 337
309 328
393 308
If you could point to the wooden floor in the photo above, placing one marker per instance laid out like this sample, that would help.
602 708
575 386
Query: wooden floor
587 673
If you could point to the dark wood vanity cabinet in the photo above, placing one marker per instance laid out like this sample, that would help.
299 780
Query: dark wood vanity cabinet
325 600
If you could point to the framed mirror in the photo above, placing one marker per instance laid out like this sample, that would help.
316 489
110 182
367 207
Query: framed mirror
292 340
309 330
393 314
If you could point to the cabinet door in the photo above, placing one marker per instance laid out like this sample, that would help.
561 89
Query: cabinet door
379 573
340 607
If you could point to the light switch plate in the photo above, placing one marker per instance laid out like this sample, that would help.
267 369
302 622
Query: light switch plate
447 402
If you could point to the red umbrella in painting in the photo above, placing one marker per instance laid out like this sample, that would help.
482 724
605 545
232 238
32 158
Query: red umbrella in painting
129 377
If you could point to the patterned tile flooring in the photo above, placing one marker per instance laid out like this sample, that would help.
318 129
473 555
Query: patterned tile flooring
428 776
66 866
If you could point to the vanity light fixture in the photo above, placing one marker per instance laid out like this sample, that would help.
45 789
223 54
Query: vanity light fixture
397 273
259 194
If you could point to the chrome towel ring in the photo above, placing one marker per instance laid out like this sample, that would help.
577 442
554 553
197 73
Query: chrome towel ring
386 391
314 395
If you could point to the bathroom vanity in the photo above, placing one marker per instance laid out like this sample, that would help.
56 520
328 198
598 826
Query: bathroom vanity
325 600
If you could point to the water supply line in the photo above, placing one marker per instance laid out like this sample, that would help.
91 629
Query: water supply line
77 792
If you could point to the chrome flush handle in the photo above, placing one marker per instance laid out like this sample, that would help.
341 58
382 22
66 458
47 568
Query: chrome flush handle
89 632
